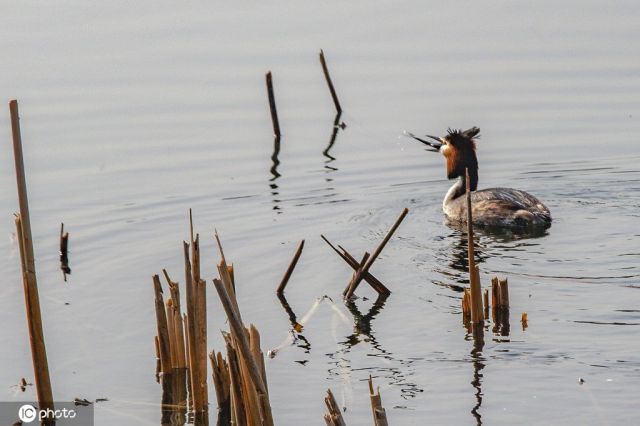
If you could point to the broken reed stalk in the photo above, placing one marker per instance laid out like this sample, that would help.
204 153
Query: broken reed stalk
466 305
474 274
351 261
334 96
248 389
272 106
379 413
500 293
249 392
197 328
370 279
199 304
359 275
292 265
500 308
32 301
504 294
333 417
191 331
237 329
176 318
163 328
222 384
201 335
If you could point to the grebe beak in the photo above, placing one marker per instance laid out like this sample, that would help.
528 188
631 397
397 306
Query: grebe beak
433 146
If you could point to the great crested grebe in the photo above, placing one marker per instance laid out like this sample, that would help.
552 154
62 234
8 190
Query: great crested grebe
494 207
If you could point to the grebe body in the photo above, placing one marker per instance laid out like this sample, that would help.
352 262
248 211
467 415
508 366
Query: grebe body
494 207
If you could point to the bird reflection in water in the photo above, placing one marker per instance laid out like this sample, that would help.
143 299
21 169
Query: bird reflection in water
456 257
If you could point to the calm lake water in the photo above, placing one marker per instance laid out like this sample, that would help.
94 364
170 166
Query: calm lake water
132 113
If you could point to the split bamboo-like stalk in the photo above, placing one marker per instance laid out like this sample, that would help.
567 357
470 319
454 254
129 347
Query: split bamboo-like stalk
272 106
178 326
239 336
237 404
477 316
201 335
359 275
172 333
192 338
333 417
379 413
495 293
163 329
292 265
500 293
197 313
334 96
504 294
500 308
222 384
466 304
249 397
32 301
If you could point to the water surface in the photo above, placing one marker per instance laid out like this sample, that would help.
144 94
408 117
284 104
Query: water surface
134 113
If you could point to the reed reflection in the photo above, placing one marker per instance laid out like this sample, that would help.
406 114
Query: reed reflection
478 363
362 323
174 400
363 331
296 328
275 162
337 126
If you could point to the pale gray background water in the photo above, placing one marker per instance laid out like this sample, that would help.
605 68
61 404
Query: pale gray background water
134 112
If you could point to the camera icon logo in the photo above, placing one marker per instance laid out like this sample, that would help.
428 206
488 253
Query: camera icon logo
27 413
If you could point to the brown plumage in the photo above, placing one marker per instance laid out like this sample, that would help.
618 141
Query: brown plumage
494 207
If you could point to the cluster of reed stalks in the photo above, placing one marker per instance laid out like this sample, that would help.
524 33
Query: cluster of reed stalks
240 379
181 342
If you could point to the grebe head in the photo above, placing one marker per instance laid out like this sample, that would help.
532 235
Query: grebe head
459 150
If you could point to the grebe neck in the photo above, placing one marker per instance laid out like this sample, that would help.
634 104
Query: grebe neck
460 187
